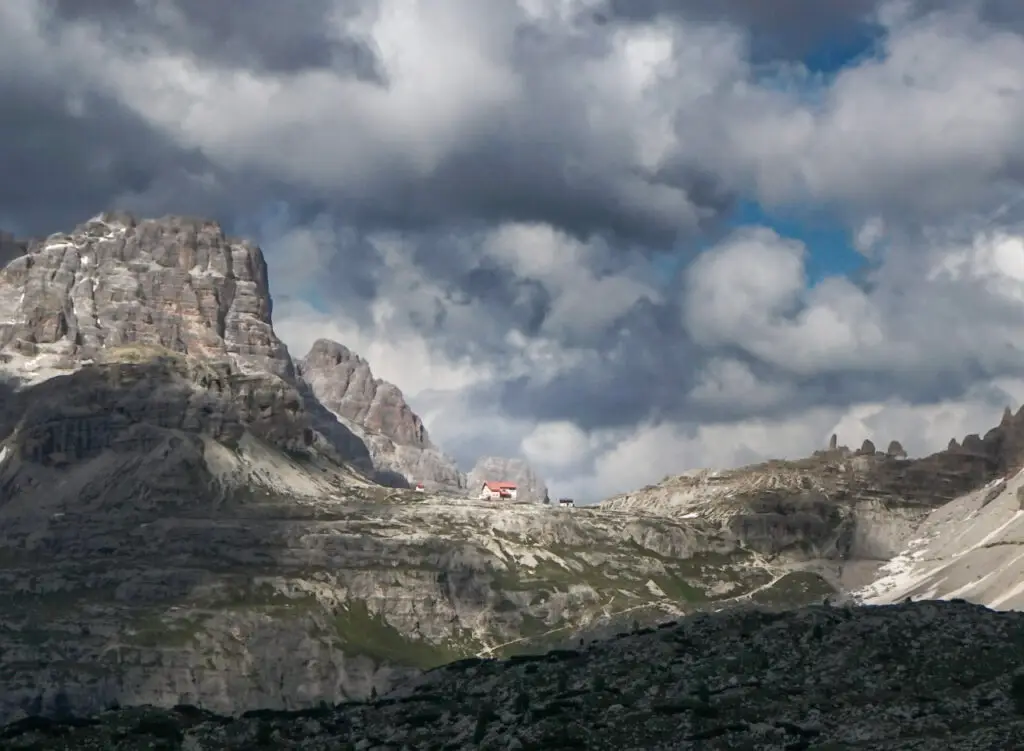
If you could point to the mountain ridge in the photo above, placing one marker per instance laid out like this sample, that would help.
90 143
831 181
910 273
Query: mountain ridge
148 406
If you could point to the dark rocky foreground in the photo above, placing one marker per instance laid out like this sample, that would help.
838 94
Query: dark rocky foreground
927 675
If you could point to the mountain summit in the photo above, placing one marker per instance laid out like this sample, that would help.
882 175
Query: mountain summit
175 283
401 451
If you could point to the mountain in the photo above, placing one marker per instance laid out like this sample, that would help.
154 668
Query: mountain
183 520
844 514
189 517
530 487
971 548
176 283
400 448
923 676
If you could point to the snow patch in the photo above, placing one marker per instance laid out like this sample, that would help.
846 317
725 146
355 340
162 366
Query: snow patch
654 589
1011 594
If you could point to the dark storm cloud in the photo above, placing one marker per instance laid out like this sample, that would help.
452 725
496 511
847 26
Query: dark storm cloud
523 303
540 163
641 371
61 167
513 178
264 35
538 186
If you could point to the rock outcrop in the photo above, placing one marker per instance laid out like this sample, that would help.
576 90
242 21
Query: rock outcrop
896 450
400 449
176 283
530 486
926 676
867 448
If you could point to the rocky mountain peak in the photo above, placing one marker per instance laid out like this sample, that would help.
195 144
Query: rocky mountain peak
896 450
399 446
329 353
178 283
345 384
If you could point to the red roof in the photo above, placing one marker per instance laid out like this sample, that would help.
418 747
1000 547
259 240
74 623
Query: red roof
497 487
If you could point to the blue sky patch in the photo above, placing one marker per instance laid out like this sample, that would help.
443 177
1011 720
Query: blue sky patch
843 50
828 242
829 250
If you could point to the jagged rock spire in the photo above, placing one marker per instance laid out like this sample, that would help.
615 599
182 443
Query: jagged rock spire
867 448
896 450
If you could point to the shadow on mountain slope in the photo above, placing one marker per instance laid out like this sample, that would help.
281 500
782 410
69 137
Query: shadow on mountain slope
173 532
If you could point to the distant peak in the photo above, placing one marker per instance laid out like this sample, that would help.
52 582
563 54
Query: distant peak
331 350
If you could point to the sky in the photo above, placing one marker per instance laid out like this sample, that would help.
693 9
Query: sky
619 238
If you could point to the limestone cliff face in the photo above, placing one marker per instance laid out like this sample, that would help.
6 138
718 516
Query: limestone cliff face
128 293
400 448
970 548
176 283
496 468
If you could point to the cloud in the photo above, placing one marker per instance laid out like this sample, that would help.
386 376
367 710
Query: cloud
787 29
927 125
464 94
524 213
